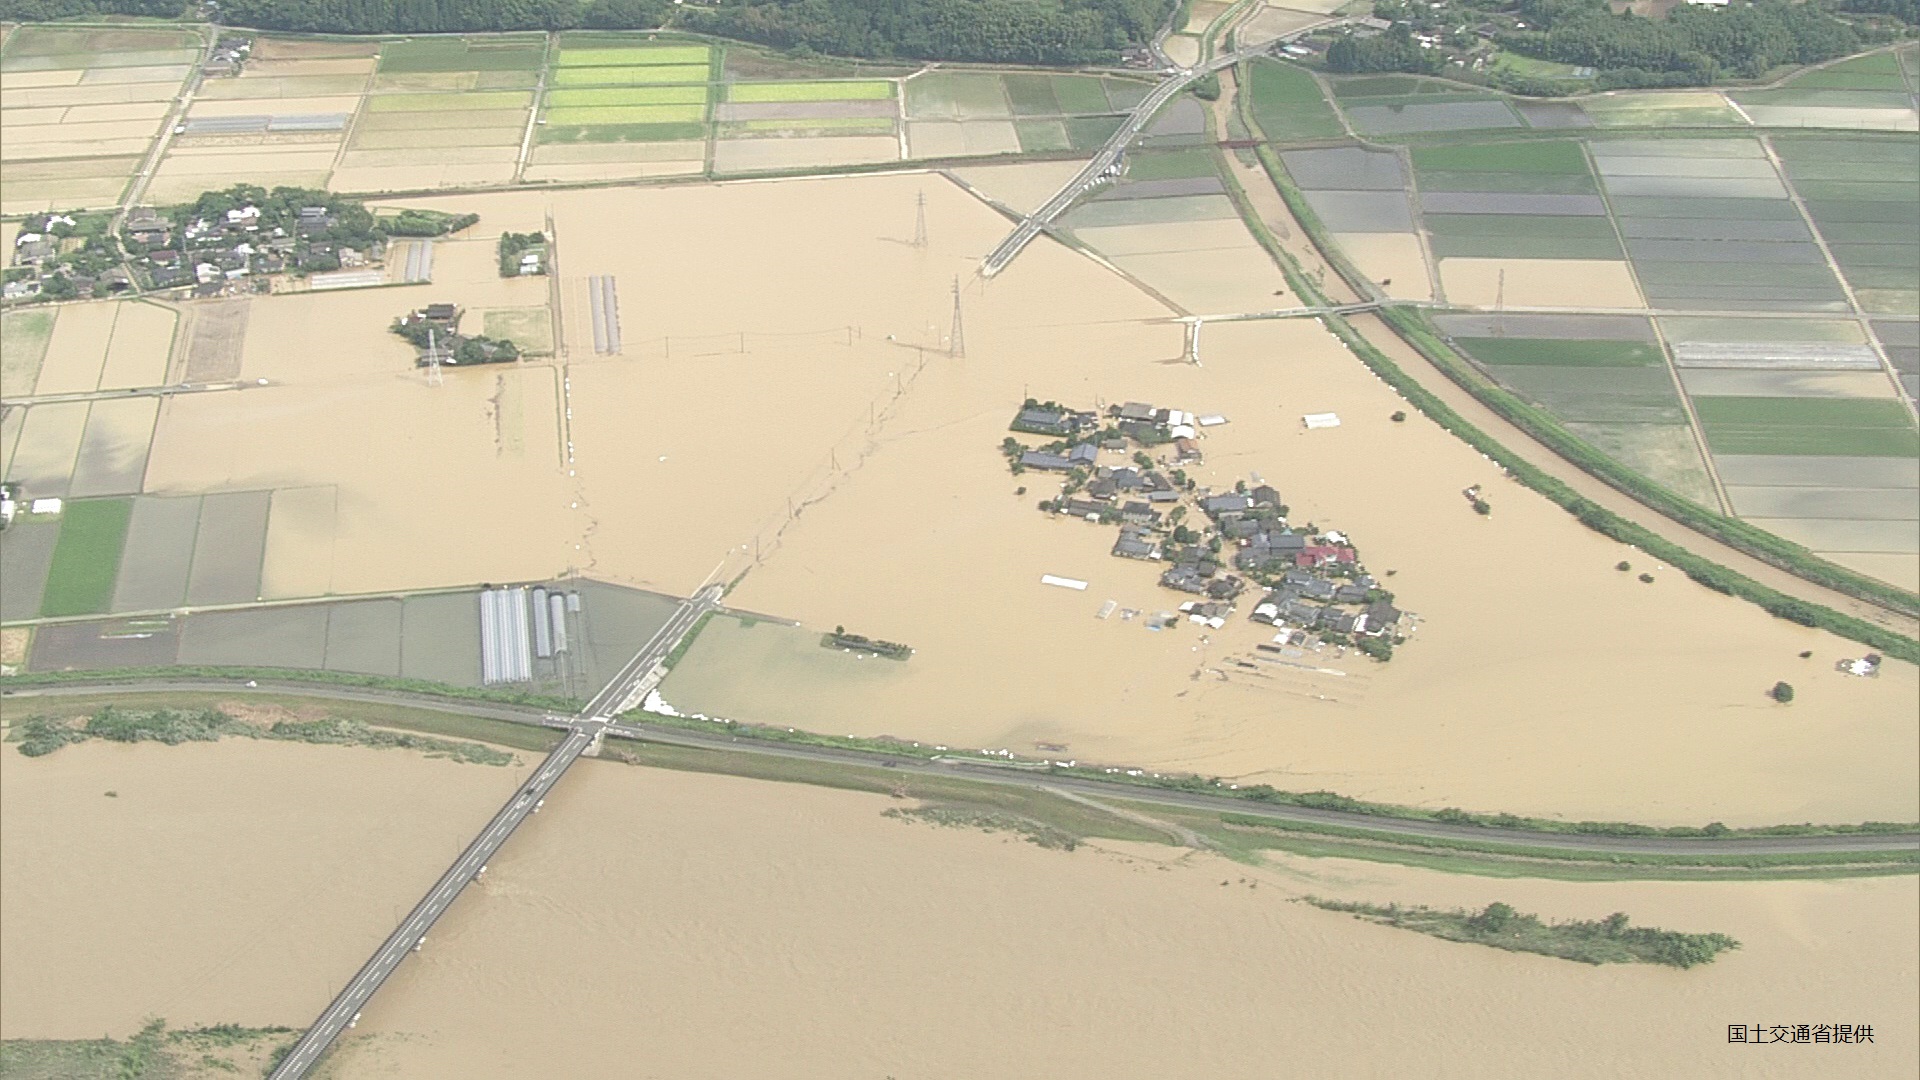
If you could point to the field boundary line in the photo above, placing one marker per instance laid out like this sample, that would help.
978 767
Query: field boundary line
1694 427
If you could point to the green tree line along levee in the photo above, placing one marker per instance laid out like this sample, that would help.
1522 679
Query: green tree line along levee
1413 327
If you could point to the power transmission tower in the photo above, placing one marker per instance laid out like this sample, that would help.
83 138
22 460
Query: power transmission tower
957 343
920 220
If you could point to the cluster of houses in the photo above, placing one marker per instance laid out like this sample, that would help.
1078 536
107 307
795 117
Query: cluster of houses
237 250
435 331
64 257
1215 545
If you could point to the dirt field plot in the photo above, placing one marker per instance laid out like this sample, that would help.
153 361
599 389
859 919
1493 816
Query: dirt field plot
217 331
1657 109
113 451
942 95
957 138
1666 453
45 450
26 553
752 155
23 342
290 637
87 556
363 636
531 328
106 644
440 638
158 554
228 549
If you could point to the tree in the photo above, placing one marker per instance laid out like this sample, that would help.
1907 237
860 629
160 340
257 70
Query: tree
1399 416
1781 692
1495 919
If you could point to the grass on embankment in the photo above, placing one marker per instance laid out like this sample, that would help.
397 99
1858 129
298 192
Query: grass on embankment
37 736
1049 819
372 714
1606 941
154 1053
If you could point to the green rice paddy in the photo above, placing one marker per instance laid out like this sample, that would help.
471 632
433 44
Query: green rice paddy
1288 104
1171 165
463 54
1040 136
838 90
86 558
1851 427
630 76
1555 157
1556 352
636 95
965 95
1514 236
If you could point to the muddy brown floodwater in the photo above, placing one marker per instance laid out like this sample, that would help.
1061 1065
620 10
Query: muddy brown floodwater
659 924
236 882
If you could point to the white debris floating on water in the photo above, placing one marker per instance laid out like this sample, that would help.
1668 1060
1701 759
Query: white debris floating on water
1063 582
1316 420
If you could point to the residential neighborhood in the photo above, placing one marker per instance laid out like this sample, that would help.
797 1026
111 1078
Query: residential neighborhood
1124 468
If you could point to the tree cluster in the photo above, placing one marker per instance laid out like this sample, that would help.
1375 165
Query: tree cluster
439 16
49 10
1692 45
1006 31
1394 50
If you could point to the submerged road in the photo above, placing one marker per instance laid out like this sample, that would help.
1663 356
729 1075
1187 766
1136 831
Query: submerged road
986 772
583 731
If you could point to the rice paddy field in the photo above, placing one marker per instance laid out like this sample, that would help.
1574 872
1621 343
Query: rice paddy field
80 108
1170 226
956 113
1730 312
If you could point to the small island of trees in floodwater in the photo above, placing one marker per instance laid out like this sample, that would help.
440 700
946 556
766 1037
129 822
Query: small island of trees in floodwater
1590 941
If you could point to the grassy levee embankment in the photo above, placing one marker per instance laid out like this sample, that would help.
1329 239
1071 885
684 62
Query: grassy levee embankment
1121 778
1055 821
1413 328
299 675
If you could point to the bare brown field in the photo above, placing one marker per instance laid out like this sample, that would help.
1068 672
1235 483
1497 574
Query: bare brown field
749 155
48 445
378 178
158 73
21 80
1601 283
296 69
434 138
290 106
862 946
1024 187
278 49
603 153
588 172
99 94
961 138
78 349
142 340
202 882
1395 258
301 87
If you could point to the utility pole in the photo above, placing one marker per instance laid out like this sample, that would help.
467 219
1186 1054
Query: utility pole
957 344
920 220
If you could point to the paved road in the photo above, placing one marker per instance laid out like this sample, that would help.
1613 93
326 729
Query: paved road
1109 156
633 728
136 391
412 931
582 731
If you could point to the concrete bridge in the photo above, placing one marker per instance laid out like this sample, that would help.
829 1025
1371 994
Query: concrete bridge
583 731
